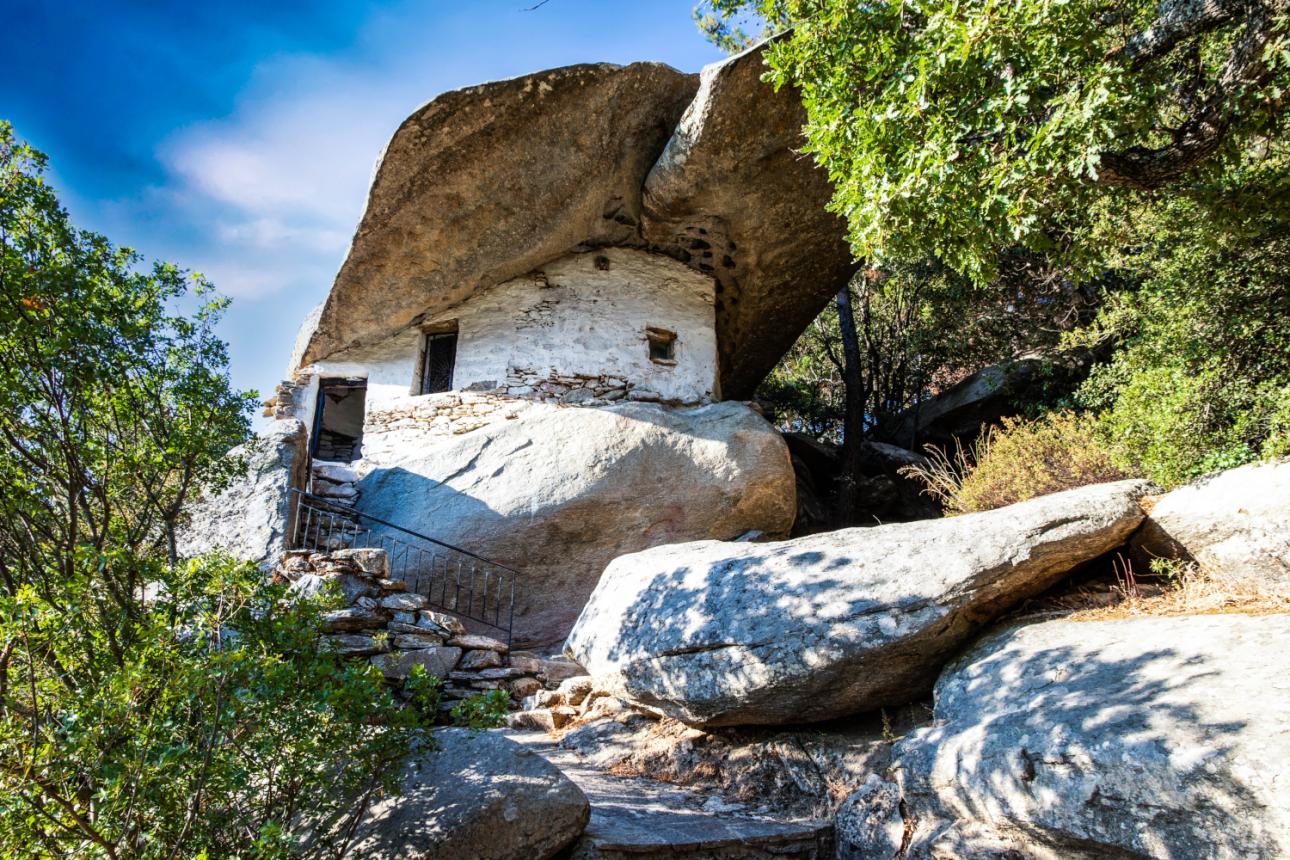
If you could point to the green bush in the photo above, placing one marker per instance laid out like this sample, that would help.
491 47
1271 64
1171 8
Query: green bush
213 721
1017 461
1200 379
148 708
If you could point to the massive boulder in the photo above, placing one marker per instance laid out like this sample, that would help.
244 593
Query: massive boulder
720 634
478 796
486 183
558 492
1144 737
1235 524
251 519
733 196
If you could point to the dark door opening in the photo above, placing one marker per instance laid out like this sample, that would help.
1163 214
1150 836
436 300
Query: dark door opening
338 420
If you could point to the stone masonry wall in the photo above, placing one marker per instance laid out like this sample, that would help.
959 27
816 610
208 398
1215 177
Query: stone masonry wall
396 630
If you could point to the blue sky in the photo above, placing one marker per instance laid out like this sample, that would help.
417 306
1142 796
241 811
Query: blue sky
237 138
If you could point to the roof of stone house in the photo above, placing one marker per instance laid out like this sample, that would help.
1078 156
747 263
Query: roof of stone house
490 182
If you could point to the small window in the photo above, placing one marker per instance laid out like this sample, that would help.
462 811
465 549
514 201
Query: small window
662 345
440 358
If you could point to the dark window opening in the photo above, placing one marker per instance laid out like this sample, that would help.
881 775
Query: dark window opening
440 357
338 420
662 345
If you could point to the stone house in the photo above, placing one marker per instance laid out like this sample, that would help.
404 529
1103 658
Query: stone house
561 293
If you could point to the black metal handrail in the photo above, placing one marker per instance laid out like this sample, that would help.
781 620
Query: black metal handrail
452 579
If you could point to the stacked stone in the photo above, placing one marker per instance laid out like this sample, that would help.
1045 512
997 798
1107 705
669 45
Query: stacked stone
286 399
573 389
575 701
450 413
396 630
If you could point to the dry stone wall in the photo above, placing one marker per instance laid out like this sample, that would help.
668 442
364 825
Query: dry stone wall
396 630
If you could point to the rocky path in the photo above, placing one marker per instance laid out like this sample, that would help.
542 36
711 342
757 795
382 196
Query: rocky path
641 818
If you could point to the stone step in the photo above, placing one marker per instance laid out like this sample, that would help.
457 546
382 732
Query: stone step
640 819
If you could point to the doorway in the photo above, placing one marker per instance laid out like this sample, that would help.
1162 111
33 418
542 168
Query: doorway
338 420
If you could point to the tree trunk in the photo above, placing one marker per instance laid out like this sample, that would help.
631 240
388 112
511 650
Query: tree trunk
853 419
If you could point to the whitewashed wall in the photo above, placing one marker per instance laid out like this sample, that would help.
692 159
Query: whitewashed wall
572 318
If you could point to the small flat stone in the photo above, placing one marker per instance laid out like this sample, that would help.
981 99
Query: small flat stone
500 674
413 641
483 643
404 602
524 660
354 618
480 660
373 561
357 645
452 626
523 687
540 720
398 665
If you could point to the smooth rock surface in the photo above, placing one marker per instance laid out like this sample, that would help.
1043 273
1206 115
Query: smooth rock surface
558 492
479 796
733 197
489 182
251 519
1235 524
1141 737
818 627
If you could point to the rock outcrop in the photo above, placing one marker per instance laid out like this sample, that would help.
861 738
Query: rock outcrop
251 518
733 196
486 183
559 492
818 627
478 796
1235 524
1144 737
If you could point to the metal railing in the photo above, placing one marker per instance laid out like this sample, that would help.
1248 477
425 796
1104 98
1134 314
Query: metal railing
451 579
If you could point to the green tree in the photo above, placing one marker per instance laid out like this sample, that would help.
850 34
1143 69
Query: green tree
1134 151
147 708
959 128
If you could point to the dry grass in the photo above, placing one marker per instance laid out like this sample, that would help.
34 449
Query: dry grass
1016 461
1174 588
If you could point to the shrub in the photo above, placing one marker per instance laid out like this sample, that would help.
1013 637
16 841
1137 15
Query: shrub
213 721
148 709
1019 460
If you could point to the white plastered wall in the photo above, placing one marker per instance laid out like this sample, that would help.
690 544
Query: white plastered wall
587 314
583 314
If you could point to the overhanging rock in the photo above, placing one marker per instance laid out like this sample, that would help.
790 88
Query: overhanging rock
734 197
489 182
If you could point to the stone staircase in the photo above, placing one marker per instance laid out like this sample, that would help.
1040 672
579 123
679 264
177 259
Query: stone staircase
338 484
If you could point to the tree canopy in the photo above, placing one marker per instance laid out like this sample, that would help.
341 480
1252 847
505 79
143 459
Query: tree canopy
959 127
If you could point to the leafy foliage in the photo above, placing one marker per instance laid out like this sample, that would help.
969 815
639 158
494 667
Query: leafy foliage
147 709
1133 152
921 328
959 128
213 722
1019 460
1202 379
484 711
